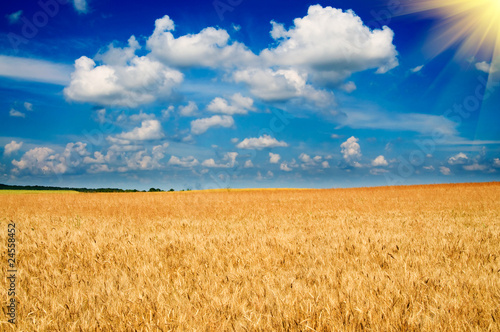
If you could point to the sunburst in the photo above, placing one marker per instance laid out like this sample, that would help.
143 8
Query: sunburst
473 25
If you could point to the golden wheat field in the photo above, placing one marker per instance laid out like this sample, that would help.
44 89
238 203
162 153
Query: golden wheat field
417 258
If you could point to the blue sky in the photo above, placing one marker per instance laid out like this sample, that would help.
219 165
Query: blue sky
239 93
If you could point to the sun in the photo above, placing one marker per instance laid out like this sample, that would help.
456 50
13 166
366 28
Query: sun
473 25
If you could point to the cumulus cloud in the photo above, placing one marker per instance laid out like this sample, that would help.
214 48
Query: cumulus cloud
99 158
38 160
183 162
284 167
15 113
458 159
282 85
262 142
445 170
379 161
191 109
496 162
332 44
274 158
305 158
248 164
208 48
142 160
149 130
43 160
12 147
229 161
325 164
200 126
123 80
237 105
351 151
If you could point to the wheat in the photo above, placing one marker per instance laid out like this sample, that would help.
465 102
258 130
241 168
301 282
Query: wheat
419 258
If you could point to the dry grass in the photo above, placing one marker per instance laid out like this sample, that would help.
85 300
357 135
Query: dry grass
382 259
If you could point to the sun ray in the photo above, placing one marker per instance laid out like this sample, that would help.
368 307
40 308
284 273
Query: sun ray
472 25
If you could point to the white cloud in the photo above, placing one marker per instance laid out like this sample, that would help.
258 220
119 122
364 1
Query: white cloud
458 159
349 87
351 151
496 162
237 105
183 162
16 113
191 109
28 106
34 70
98 159
483 66
14 17
284 167
208 48
429 168
119 56
141 160
325 164
417 69
336 136
165 113
307 160
379 161
12 147
81 6
139 81
229 159
332 44
141 117
264 141
200 126
445 170
282 85
475 167
149 130
248 164
43 160
38 160
274 158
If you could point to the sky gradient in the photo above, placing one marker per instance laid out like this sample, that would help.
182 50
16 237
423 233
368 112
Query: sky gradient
240 93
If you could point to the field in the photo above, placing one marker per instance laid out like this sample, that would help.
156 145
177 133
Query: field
419 258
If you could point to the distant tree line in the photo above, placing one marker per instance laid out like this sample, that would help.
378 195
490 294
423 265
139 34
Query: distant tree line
82 190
